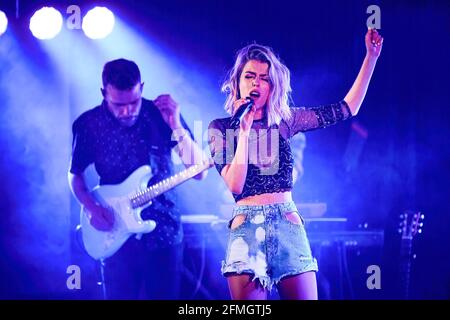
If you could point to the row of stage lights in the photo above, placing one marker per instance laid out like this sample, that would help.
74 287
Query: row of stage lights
47 22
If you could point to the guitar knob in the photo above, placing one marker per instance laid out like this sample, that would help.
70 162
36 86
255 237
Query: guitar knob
422 216
420 231
399 230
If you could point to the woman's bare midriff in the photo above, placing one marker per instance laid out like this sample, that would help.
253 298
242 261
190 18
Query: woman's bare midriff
266 198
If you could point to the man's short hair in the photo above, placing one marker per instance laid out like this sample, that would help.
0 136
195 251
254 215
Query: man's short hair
121 73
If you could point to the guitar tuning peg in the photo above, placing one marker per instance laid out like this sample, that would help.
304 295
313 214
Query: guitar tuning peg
422 216
399 230
421 224
419 231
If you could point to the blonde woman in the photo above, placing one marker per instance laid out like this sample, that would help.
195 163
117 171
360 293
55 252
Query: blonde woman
268 245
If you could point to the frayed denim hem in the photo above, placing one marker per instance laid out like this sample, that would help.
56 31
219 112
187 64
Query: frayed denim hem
265 281
310 267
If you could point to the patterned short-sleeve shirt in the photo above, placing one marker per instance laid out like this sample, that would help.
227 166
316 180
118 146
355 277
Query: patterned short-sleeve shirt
117 151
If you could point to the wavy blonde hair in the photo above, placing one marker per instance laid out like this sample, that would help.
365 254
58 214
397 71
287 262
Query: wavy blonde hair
277 106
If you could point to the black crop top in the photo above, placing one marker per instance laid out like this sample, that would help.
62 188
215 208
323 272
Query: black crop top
270 160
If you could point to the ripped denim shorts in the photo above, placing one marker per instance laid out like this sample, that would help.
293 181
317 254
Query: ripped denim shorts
267 244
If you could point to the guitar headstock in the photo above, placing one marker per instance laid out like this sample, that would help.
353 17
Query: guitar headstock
411 223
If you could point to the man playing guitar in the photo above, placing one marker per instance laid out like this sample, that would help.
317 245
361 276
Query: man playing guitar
119 136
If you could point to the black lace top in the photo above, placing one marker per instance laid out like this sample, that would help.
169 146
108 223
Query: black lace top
270 160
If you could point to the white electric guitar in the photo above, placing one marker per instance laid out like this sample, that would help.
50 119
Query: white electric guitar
127 200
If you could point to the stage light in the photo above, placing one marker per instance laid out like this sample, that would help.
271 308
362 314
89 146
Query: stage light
46 23
3 22
98 23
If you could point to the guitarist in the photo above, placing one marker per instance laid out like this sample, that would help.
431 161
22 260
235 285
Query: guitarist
123 133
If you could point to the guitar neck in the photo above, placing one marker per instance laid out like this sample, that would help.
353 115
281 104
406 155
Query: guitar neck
406 247
405 266
410 225
145 196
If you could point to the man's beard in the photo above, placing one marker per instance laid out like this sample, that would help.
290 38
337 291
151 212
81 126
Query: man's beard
128 121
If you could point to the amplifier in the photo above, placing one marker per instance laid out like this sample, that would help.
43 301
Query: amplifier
212 230
343 255
366 238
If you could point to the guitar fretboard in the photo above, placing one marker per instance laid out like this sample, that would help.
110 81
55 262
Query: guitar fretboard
142 198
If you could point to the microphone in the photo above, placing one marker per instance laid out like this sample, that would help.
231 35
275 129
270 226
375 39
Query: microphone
241 112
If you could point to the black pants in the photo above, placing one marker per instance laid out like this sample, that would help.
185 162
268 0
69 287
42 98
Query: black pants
136 272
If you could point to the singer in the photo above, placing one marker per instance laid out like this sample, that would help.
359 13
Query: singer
268 245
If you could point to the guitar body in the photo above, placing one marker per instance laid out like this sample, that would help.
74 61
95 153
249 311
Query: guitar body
128 221
127 200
